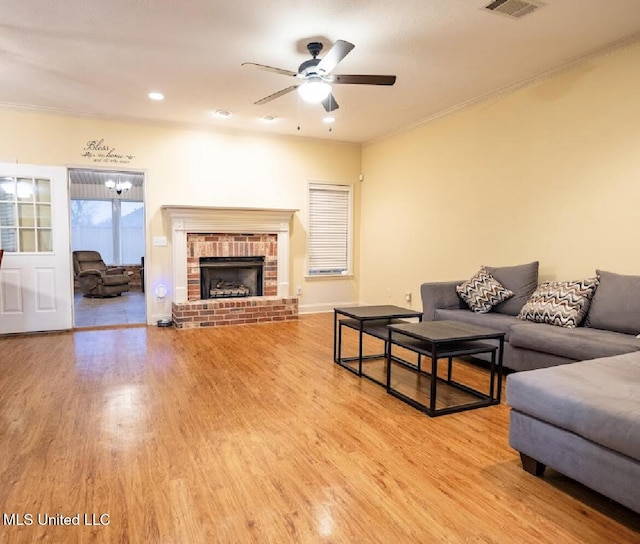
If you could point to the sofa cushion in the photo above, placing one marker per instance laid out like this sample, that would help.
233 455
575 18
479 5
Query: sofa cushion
521 279
498 322
562 303
482 292
616 303
577 344
597 399
115 279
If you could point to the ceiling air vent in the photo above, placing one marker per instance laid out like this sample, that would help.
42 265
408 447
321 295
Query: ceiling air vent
512 8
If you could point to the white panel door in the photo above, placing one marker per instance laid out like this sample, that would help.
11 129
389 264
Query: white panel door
35 276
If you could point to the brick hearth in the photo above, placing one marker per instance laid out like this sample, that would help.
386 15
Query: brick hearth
220 312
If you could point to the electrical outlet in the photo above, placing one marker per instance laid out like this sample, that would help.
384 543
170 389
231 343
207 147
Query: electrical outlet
298 290
407 296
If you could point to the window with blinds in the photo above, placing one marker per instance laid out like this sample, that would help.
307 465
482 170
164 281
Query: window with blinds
330 230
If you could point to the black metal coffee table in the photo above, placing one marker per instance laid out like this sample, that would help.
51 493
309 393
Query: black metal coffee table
442 340
370 320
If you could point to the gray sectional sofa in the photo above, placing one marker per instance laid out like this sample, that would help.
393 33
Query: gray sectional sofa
583 420
576 408
610 326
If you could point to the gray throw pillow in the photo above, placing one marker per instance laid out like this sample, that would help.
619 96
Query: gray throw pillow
616 304
521 279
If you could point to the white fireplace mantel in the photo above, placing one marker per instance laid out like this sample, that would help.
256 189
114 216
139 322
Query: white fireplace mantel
204 219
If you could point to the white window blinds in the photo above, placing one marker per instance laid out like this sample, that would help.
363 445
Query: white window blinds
329 229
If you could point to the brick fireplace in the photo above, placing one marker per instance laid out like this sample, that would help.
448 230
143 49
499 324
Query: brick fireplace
200 235
231 245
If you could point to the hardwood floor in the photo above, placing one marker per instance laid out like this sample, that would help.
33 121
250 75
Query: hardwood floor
253 434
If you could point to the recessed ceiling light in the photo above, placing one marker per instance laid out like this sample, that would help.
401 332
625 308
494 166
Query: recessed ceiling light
156 96
222 114
268 118
329 119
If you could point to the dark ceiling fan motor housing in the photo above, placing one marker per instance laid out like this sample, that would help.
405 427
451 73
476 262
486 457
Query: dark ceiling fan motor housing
314 48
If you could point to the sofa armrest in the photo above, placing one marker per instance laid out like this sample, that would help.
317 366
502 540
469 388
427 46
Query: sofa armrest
116 270
437 295
85 273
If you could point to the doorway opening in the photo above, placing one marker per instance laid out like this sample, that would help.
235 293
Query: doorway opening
108 244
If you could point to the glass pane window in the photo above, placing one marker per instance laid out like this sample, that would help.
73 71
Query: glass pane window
26 215
43 190
45 241
114 228
92 227
7 214
43 215
27 240
24 225
131 231
9 240
7 189
24 189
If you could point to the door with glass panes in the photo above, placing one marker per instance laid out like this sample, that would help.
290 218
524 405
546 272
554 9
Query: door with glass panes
35 275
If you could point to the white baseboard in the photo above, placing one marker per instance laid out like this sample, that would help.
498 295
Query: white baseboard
324 308
153 320
302 309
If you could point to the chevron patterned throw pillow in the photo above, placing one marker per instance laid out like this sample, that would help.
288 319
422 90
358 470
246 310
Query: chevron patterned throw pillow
562 303
482 292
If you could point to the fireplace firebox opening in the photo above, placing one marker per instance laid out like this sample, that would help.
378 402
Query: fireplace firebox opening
231 277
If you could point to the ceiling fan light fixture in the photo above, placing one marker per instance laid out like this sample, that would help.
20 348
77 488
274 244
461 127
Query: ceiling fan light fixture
314 90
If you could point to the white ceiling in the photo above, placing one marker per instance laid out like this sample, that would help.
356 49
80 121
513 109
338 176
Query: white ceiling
102 58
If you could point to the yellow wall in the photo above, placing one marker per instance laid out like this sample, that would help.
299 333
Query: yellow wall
188 167
550 172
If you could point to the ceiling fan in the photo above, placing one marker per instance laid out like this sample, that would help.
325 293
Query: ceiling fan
317 77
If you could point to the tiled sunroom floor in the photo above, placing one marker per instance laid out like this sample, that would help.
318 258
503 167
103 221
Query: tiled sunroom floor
127 309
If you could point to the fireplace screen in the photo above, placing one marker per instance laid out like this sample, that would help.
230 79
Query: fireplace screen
226 277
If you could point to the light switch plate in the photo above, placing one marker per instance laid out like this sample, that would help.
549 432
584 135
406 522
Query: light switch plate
160 241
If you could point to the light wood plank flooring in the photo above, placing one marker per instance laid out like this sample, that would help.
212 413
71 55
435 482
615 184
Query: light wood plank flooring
253 434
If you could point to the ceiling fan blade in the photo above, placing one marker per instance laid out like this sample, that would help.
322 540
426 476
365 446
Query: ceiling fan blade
330 103
364 79
276 95
270 69
339 51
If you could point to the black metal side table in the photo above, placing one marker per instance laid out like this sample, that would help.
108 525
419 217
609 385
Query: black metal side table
443 340
370 320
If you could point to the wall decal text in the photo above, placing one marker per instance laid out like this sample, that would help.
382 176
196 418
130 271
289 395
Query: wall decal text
100 152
